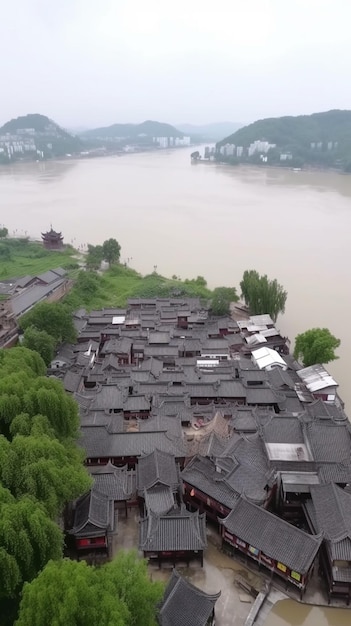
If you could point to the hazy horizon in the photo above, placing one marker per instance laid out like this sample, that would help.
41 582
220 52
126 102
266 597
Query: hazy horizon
89 63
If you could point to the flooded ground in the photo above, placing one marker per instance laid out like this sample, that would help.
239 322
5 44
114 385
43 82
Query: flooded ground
289 613
223 573
219 573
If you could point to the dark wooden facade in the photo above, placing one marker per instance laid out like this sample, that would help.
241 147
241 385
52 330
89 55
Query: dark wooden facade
52 240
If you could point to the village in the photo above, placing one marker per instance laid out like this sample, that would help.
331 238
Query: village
203 426
206 440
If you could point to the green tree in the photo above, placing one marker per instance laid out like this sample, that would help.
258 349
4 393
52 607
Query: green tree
24 424
28 539
111 251
94 257
316 345
43 468
221 300
38 396
22 360
41 342
129 575
53 317
3 232
262 295
70 593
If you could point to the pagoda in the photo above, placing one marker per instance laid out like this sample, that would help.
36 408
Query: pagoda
52 240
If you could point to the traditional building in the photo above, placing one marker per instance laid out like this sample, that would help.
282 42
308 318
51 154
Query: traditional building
185 604
178 536
52 240
94 521
158 482
278 546
329 512
117 483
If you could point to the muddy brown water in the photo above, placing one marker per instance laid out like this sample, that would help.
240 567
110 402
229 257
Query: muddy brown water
210 220
289 613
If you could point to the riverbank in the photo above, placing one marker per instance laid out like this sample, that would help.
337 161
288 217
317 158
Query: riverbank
21 257
267 166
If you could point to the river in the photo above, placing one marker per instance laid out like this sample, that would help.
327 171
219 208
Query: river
206 219
211 220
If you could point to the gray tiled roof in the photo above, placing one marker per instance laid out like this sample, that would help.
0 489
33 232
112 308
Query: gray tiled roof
119 484
225 389
31 296
99 443
201 473
280 378
184 604
94 418
321 409
159 499
276 538
173 532
107 397
339 473
283 430
136 403
117 346
72 380
262 395
161 423
157 468
329 442
332 516
94 512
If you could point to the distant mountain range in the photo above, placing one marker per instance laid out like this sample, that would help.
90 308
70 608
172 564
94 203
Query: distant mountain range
321 140
146 130
35 135
210 132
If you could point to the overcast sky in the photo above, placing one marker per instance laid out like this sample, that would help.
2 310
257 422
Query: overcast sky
95 62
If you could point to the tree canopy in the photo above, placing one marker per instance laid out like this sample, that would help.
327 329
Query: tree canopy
3 232
20 393
94 257
316 345
28 539
53 318
221 300
262 295
111 251
41 469
44 468
70 593
41 342
21 360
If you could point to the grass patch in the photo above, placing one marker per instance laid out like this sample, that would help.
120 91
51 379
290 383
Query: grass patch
119 283
19 257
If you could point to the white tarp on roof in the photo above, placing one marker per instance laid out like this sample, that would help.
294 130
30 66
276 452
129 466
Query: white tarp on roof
266 359
118 319
316 377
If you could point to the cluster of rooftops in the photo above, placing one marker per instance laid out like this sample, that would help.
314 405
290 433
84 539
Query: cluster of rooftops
194 418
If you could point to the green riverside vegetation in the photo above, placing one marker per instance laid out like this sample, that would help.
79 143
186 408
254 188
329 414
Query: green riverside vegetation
117 284
20 257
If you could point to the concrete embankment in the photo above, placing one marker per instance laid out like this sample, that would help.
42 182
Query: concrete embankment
262 606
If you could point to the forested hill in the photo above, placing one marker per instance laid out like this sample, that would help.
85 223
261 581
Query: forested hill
36 135
133 131
320 138
33 121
